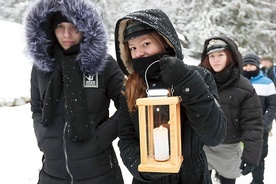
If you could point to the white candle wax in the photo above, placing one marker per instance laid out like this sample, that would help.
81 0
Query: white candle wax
161 143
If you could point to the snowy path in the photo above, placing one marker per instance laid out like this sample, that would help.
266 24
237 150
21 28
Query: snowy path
20 157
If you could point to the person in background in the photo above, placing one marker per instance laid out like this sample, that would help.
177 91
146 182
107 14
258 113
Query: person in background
266 91
141 38
73 80
268 69
241 107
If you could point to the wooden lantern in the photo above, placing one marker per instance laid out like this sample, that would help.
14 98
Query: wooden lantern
160 134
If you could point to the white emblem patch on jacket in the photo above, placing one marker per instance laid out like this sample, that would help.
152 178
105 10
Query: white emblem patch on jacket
90 81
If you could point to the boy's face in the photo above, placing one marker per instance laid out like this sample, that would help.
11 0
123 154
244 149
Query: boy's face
249 67
67 35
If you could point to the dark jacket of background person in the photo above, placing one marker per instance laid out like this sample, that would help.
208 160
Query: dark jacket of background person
65 160
202 120
241 107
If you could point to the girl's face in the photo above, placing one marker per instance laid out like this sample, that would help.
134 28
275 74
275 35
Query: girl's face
67 35
218 60
144 46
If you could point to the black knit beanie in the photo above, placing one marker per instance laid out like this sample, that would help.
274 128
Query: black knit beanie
57 19
251 58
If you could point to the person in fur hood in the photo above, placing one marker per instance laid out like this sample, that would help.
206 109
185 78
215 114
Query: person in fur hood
73 80
242 108
143 38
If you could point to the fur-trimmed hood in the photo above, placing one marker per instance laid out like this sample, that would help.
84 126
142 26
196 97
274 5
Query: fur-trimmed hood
156 19
84 15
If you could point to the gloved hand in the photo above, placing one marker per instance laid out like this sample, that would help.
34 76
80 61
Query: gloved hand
172 69
246 168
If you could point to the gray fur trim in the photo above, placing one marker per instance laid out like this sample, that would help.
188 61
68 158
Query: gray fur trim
84 15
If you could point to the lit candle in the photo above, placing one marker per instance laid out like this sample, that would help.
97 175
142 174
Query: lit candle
161 143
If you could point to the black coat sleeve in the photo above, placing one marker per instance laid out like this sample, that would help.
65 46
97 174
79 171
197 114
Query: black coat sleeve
197 88
36 102
107 131
200 99
128 140
251 127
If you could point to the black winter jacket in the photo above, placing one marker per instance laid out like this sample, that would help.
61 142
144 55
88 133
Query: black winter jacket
242 108
202 121
91 160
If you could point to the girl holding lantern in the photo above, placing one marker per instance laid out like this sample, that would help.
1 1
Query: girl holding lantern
142 38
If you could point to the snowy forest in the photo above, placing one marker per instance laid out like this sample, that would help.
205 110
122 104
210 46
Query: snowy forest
251 23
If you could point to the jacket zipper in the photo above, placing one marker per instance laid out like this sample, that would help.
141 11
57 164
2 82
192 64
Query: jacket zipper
65 153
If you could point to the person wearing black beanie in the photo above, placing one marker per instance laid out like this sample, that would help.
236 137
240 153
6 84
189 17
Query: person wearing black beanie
73 82
252 59
265 90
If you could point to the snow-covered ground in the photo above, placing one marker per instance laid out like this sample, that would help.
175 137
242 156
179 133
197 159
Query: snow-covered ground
20 158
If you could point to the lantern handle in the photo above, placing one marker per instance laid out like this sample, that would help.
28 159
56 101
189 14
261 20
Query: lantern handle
147 90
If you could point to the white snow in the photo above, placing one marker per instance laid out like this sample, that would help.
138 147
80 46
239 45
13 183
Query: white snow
20 158
15 67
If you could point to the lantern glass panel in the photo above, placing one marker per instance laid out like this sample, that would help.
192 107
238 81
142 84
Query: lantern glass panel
158 145
161 115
